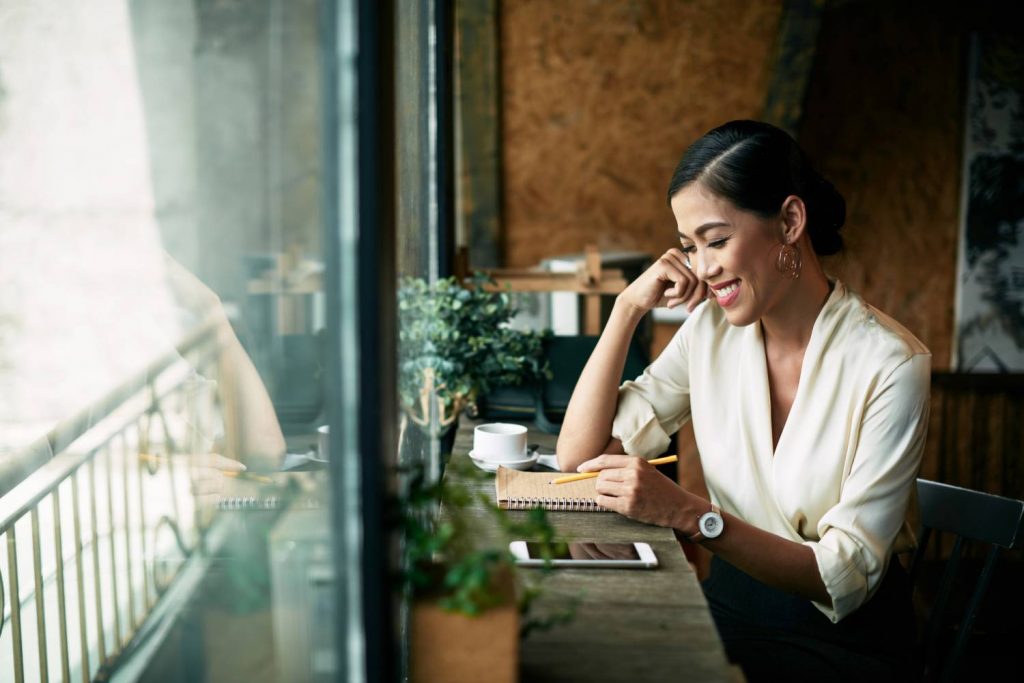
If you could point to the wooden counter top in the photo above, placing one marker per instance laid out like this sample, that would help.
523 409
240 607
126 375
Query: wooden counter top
631 625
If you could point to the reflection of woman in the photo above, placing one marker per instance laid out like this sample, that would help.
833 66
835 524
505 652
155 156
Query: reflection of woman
809 409
251 435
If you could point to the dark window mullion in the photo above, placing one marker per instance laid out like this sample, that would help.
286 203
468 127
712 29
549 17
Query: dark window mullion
444 163
360 294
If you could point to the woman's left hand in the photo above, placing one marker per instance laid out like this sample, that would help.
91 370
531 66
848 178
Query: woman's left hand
633 487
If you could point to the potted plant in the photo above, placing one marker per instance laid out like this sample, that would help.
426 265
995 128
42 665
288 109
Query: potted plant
465 619
455 344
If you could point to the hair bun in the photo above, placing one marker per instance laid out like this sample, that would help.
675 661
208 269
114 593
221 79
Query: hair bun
826 215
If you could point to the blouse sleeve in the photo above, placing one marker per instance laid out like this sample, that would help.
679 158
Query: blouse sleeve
653 406
857 533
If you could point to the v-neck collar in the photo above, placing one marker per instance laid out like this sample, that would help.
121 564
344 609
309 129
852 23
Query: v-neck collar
759 394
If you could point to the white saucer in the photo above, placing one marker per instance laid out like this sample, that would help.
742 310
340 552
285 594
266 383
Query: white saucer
492 465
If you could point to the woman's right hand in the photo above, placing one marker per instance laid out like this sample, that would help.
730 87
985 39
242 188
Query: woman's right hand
667 283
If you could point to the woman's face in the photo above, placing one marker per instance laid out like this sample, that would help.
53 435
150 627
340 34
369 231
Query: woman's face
733 251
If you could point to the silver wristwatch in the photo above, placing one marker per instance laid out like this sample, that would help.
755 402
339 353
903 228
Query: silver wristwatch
709 525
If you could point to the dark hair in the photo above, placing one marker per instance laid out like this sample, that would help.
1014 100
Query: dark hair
756 166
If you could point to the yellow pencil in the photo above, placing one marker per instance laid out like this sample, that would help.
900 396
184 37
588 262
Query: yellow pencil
249 476
234 474
591 475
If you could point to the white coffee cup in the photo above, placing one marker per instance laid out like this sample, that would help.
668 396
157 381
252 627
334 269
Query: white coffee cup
499 442
322 442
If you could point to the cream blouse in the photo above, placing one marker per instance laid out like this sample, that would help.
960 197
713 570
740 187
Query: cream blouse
841 476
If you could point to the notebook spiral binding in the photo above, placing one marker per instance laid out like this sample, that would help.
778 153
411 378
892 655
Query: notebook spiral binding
556 504
265 503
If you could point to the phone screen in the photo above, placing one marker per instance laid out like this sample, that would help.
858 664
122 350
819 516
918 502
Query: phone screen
586 551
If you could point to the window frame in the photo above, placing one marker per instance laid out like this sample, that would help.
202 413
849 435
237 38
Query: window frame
359 231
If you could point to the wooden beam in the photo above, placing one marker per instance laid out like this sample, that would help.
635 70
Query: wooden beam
610 282
795 48
592 272
477 123
412 204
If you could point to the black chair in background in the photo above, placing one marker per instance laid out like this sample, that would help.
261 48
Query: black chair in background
969 515
545 403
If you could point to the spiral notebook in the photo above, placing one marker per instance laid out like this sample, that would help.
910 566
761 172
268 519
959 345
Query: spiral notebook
243 503
519 490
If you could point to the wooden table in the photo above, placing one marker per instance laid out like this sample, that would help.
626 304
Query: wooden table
632 625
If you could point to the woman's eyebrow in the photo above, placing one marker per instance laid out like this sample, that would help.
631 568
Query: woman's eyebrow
703 228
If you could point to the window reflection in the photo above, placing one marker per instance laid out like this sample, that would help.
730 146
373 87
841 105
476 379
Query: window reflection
162 344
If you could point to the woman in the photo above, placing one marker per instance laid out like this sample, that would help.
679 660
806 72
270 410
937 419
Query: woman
809 409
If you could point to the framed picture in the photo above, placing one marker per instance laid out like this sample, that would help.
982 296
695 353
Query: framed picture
989 321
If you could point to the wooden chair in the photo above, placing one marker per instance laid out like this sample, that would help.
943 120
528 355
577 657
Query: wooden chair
969 515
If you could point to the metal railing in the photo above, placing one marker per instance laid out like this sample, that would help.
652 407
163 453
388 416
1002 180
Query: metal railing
97 518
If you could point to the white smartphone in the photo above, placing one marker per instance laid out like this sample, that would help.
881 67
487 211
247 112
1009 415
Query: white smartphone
588 555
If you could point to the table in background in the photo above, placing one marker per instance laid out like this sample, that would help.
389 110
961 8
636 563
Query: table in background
631 625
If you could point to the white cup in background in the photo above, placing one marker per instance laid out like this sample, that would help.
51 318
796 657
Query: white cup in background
321 444
499 441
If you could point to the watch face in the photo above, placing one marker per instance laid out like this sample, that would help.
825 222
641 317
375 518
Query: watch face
711 524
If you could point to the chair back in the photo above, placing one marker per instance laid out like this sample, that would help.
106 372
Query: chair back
969 515
545 403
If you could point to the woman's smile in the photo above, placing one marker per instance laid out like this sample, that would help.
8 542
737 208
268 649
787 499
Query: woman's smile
726 293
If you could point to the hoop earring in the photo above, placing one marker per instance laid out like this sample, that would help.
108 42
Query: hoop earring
788 262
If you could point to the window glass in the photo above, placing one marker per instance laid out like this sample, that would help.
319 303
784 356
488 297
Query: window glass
421 222
419 265
164 488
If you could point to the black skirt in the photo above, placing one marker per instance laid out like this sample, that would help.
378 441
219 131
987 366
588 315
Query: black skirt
776 636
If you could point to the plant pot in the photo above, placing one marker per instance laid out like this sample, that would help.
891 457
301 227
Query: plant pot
455 648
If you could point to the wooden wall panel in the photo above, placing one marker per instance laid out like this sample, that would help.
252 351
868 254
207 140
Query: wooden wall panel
883 121
975 437
601 97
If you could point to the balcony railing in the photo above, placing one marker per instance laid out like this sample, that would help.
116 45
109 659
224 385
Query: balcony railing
98 519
